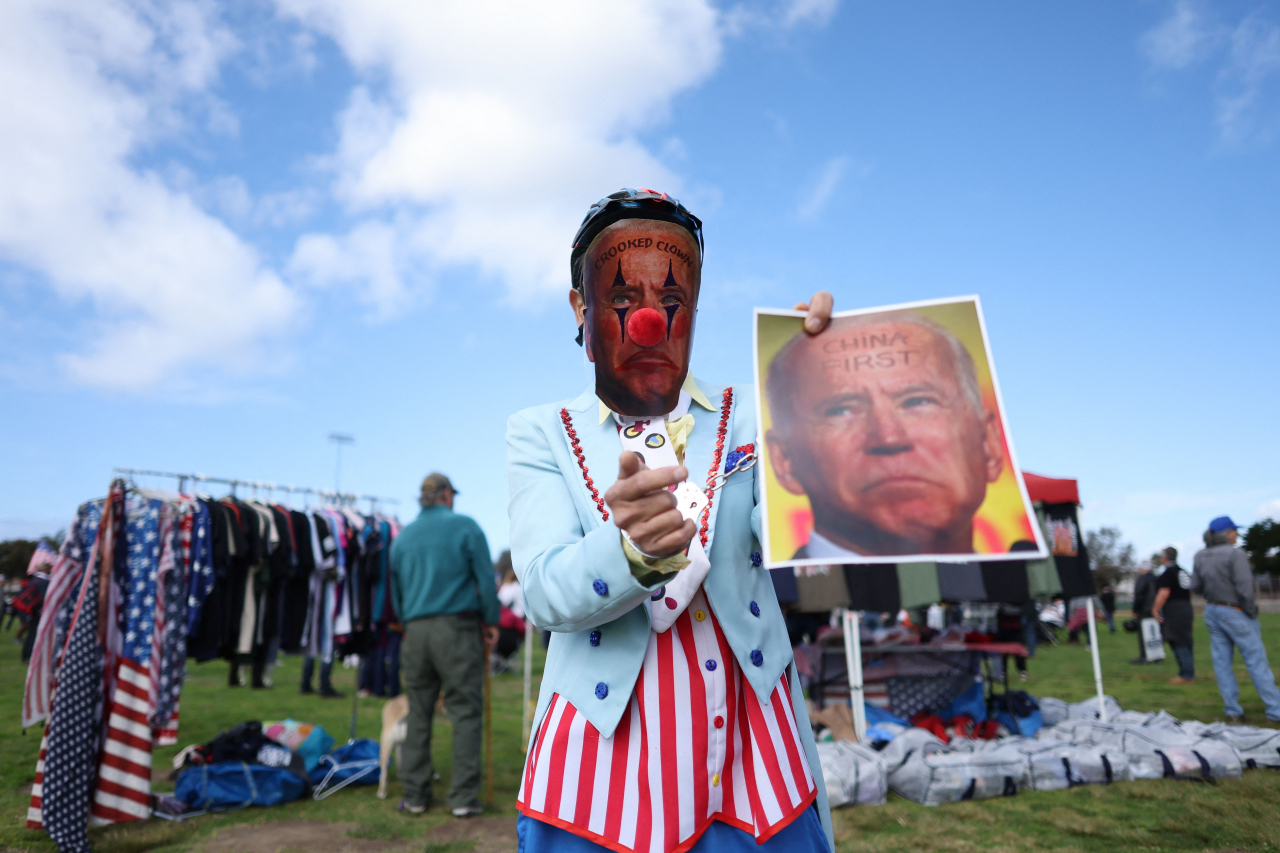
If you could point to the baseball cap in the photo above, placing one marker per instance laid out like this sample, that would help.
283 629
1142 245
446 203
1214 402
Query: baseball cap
1223 523
434 483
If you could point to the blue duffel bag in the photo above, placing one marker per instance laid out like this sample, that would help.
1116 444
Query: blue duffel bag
353 763
235 784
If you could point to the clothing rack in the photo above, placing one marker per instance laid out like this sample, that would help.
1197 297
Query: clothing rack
340 498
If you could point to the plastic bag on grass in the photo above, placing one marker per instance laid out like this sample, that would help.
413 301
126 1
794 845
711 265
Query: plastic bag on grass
1257 747
354 763
1144 745
235 784
907 744
854 774
1088 709
1051 765
933 776
1052 711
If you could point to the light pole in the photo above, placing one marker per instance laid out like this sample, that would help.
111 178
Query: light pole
339 439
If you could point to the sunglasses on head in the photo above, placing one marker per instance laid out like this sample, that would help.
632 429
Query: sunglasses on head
638 204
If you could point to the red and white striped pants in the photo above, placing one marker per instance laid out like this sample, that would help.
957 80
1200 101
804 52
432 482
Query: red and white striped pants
695 744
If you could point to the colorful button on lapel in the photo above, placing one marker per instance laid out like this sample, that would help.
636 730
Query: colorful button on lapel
699 615
715 781
719 722
602 690
711 666
595 638
757 657
755 609
600 587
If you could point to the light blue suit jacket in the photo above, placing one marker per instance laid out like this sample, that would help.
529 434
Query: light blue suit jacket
576 578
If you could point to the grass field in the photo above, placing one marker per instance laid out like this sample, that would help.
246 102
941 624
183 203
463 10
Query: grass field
1241 814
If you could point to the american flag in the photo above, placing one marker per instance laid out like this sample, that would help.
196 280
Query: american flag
169 639
65 580
43 558
60 799
124 773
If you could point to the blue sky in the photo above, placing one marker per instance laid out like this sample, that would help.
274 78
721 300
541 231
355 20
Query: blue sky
227 230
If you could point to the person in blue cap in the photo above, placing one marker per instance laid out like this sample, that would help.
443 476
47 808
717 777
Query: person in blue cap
1223 576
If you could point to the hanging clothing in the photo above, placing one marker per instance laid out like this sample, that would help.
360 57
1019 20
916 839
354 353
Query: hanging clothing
67 765
65 579
293 620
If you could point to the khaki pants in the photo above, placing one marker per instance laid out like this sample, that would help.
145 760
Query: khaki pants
443 652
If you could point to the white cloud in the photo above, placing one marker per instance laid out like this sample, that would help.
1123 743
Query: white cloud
1269 509
86 86
1254 56
230 197
497 125
1245 56
827 183
778 15
369 256
1184 37
817 12
475 136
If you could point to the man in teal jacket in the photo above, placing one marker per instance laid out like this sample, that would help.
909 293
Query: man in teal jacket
443 590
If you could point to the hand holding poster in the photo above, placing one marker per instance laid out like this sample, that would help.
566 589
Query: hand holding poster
885 440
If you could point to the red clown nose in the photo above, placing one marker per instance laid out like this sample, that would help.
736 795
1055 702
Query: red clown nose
647 327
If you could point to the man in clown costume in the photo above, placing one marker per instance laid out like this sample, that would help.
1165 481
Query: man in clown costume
671 716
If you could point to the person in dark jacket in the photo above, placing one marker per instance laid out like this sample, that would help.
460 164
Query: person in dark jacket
1107 598
1172 609
1144 595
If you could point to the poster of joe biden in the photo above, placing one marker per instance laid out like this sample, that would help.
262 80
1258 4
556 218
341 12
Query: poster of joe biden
885 440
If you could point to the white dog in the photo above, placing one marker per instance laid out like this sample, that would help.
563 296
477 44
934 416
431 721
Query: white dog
395 726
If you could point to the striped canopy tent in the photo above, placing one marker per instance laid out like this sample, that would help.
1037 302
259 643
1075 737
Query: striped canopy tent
887 588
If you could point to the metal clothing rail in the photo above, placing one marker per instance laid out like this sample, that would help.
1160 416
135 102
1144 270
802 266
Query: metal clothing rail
348 498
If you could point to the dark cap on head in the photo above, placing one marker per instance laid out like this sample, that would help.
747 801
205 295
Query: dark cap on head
432 485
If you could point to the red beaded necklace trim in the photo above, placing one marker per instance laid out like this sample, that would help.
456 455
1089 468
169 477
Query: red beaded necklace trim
725 405
582 462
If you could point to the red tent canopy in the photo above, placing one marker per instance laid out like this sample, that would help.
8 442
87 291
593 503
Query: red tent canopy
1051 490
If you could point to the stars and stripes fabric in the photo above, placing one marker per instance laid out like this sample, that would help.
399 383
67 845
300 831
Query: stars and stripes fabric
65 579
197 543
169 637
696 745
42 559
35 814
60 800
123 790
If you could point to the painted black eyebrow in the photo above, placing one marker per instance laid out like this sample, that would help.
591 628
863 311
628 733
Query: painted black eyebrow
671 279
